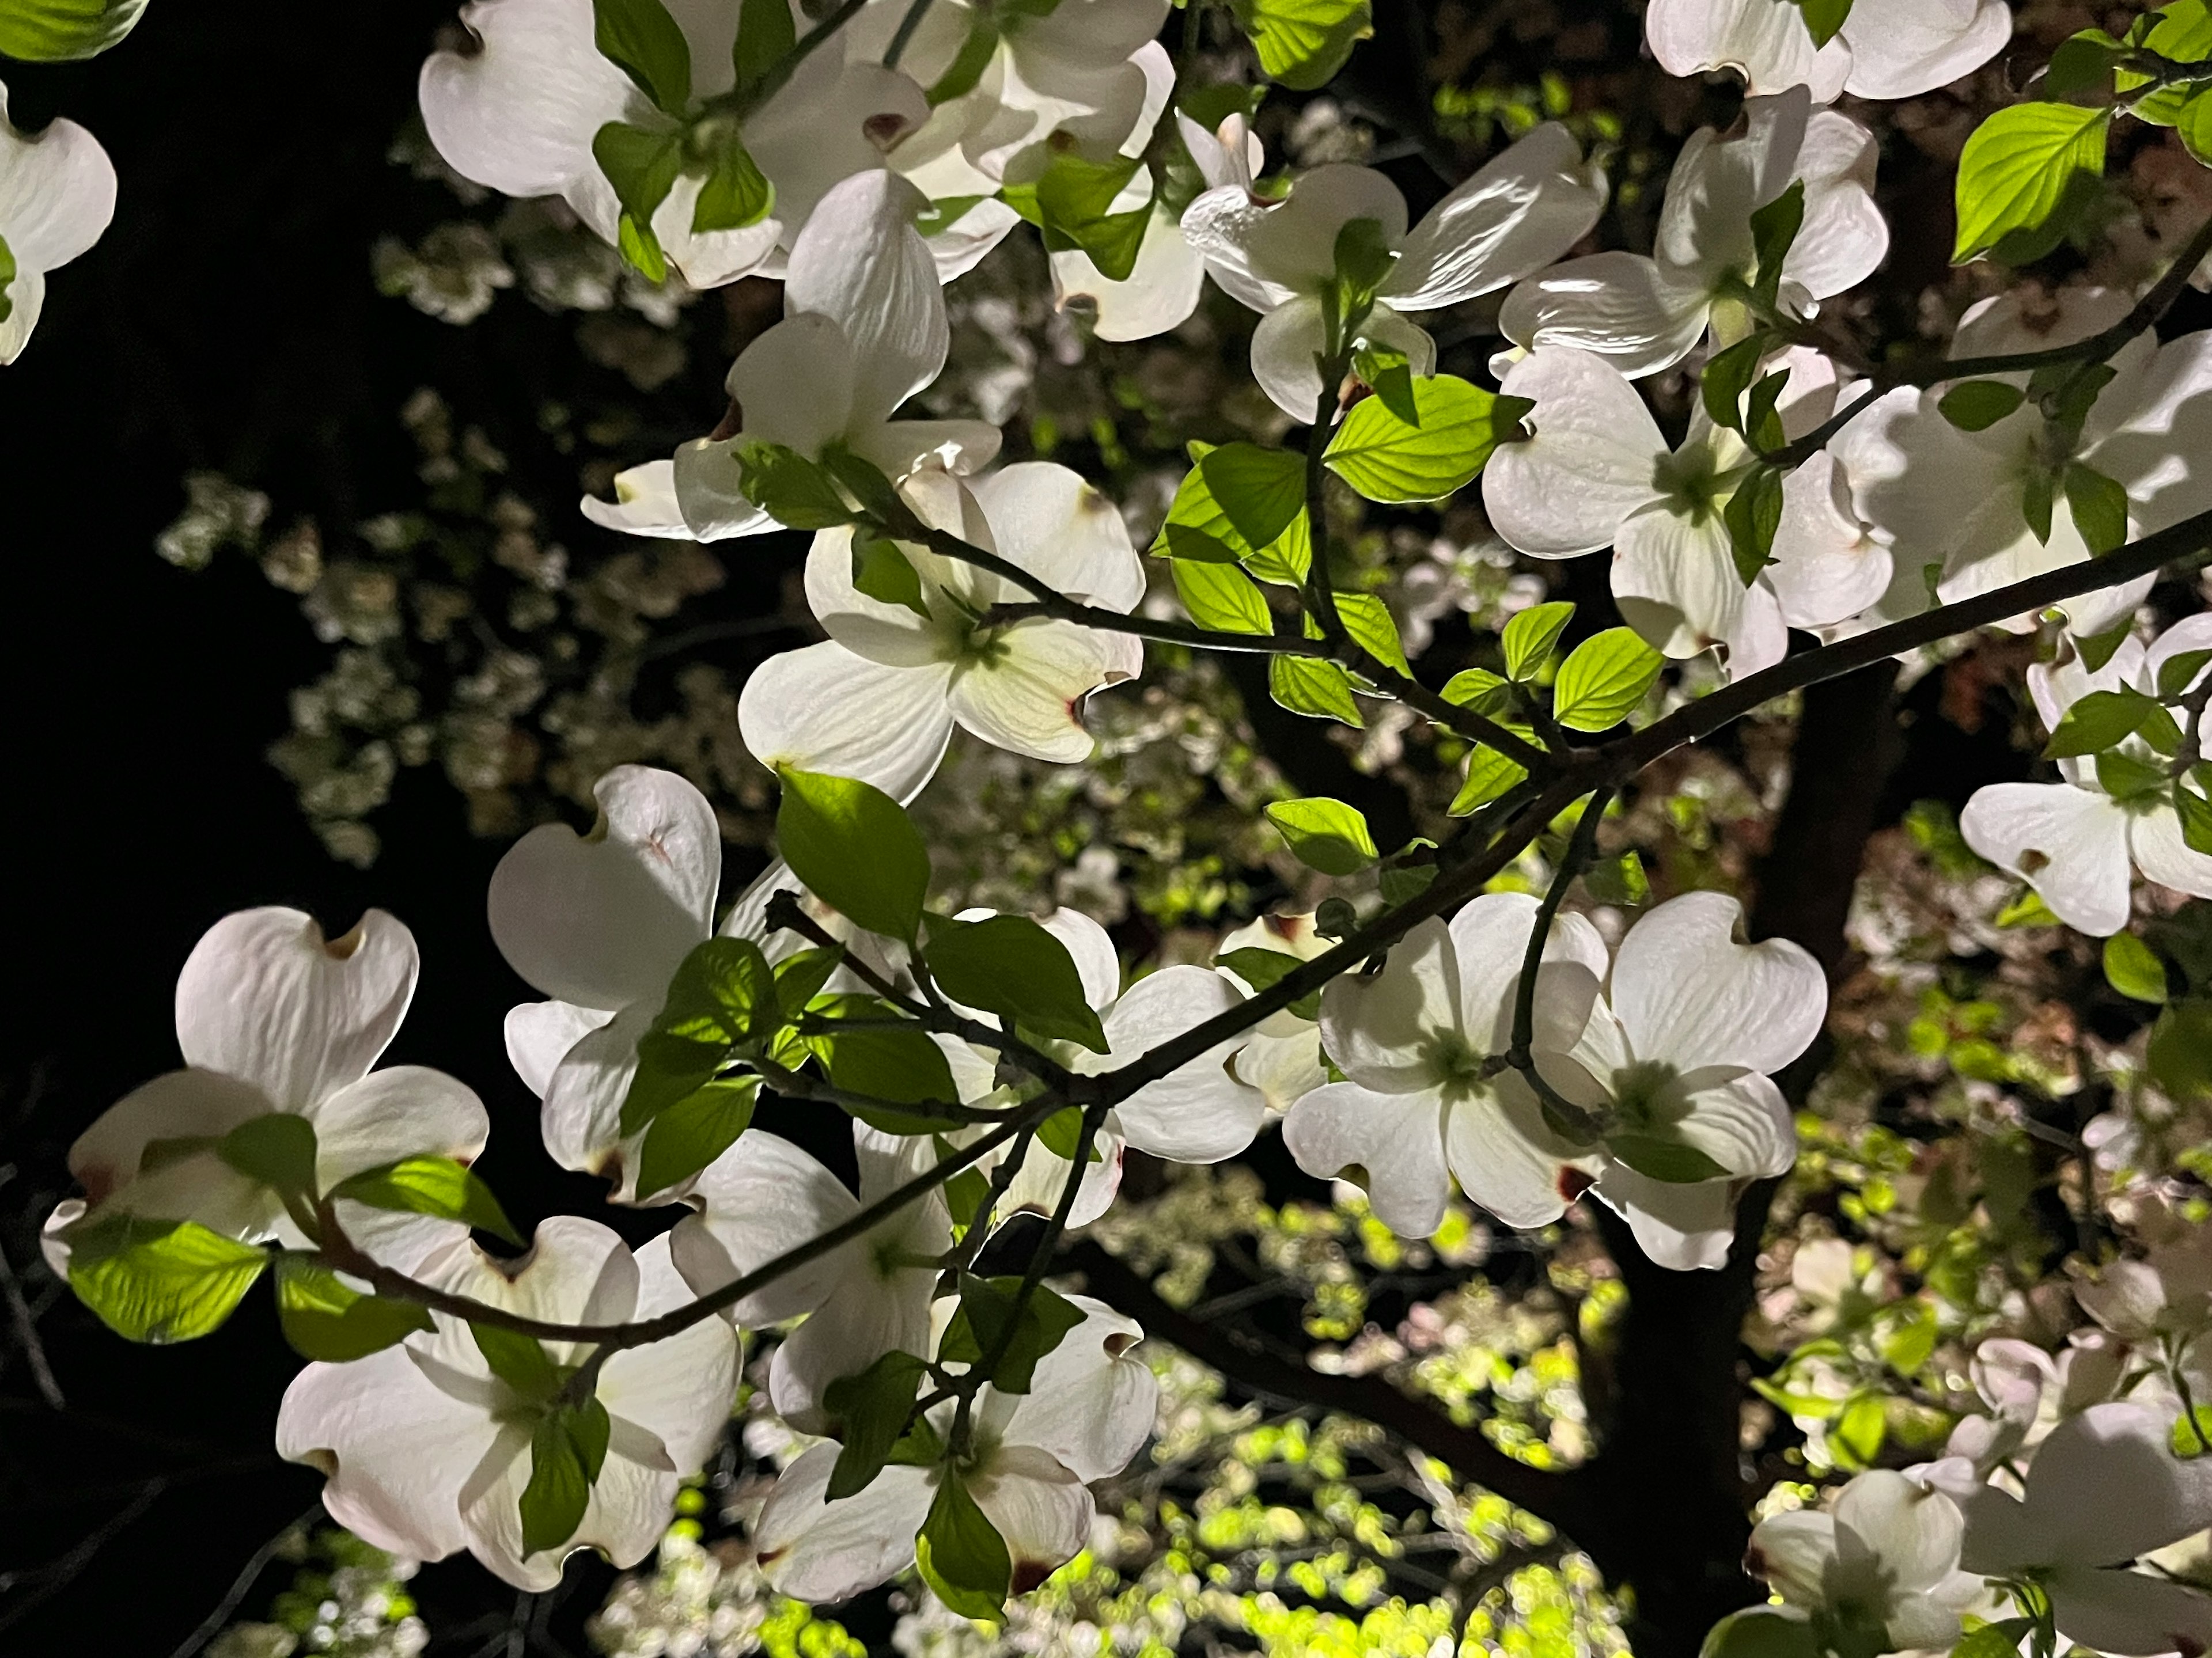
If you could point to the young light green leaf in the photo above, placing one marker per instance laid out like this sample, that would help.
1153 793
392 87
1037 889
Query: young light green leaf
1977 405
1258 491
2028 909
1221 597
1061 1135
735 193
1618 880
1373 629
2082 63
643 167
1481 689
1774 230
689 1135
765 33
869 1412
2099 721
1389 460
1010 966
1388 374
1604 680
1824 18
961 1555
520 1361
1490 776
160 1281
1532 636
642 40
2099 506
1326 834
1312 686
987 1319
2133 968
854 848
431 1186
1071 203
2097 649
1303 43
723 995
899 1066
64 31
324 1318
2017 166
1261 969
882 570
796 492
278 1149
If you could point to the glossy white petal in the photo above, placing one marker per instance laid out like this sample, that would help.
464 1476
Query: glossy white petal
1160 291
1199 1112
1844 237
763 1196
1684 1228
1518 213
2132 1614
401 1111
1025 692
1675 581
2076 839
645 503
1489 937
56 192
1688 993
1396 1139
822 708
2155 840
679 1389
1378 1029
1038 1506
603 920
1639 315
1505 1156
860 261
1590 465
264 997
1092 1400
580 1119
709 484
1220 223
1768 46
1827 565
1902 48
1047 519
179 1105
1097 963
2105 1487
797 384
539 1035
819 1551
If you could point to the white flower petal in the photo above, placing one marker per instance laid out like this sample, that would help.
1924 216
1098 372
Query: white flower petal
797 385
1040 1507
1160 291
1844 237
1590 466
1092 1400
604 920
56 193
1770 47
1518 213
679 1389
1684 1228
763 1196
860 261
822 708
1638 315
2154 840
645 503
1902 48
819 1550
1026 691
580 1119
2076 839
1505 1156
1675 581
1688 993
401 1111
1827 566
1378 1029
179 1105
1396 1139
539 1035
1046 518
1198 1112
710 495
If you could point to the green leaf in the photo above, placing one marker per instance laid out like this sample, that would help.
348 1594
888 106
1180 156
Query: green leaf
2133 969
2097 649
1326 834
1259 491
7 280
968 64
1387 374
642 40
1752 515
2083 62
277 1150
160 1281
2028 910
2099 506
2100 720
1977 405
765 33
1761 1632
883 573
986 1319
1481 689
2180 1052
1672 1161
643 167
735 193
1311 685
869 1414
1860 1430
2017 166
1824 18
2191 1434
431 1186
1363 256
1010 966
1490 776
63 31
796 492
1388 459
855 849
1199 530
1728 376
567 1450
2194 123
1604 680
1373 629
961 1555
670 1070
1221 597
724 995
689 1135
324 1318
520 1361
2195 813
1774 230
2038 494
799 979
1061 1135
1530 637
897 1064
1069 205
1762 423
1618 880
1261 969
2179 672
1303 43
2124 777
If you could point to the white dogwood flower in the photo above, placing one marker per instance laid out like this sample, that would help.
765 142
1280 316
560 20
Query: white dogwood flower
1644 314
2105 1488
2080 842
1956 500
867 1297
879 701
1884 49
56 197
1598 472
1676 1058
272 1017
1089 1410
1283 1057
519 114
1879 1573
428 1450
863 329
1426 1095
1518 213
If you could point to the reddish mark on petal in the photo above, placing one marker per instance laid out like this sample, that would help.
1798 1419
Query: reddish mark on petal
885 129
1119 1343
732 422
1028 1574
1573 1183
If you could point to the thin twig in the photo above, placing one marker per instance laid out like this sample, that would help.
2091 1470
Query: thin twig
256 1563
1566 1115
27 1331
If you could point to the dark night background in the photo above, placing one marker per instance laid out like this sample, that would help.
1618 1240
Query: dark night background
228 320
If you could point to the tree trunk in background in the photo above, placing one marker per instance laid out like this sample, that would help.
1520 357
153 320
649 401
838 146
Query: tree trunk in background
1670 1487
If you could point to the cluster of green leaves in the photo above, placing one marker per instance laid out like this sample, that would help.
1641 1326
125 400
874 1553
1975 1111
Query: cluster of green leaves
643 159
2141 750
2170 967
2062 395
2030 175
159 1280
